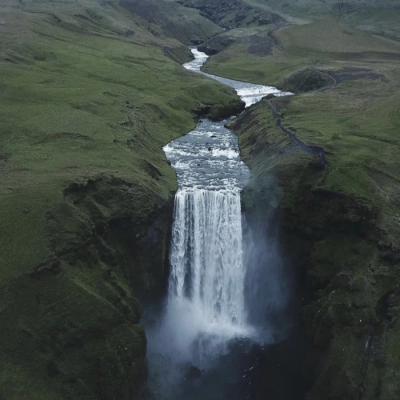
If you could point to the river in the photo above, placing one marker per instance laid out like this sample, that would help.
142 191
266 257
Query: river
205 313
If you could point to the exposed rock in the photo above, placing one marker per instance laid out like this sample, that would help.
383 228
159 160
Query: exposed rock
219 112
193 372
196 41
232 13
306 80
216 44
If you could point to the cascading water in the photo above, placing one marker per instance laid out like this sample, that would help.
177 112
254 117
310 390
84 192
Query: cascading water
206 306
206 257
206 285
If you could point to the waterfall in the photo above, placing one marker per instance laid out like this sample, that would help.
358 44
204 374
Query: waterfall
206 256
206 285
205 312
207 269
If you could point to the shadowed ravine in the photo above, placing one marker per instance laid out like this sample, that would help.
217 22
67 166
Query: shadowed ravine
205 328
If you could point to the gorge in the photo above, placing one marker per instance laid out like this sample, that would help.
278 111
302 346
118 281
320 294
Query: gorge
207 308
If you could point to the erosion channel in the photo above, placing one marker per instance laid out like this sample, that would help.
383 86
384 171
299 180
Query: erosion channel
207 338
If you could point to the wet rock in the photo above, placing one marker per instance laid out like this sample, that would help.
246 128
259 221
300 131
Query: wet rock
203 110
220 112
216 44
193 372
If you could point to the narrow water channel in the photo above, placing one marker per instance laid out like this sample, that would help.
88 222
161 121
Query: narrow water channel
204 327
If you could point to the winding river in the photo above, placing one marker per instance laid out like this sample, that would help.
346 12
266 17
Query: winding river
206 309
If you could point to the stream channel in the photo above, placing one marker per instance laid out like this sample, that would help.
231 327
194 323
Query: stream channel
203 341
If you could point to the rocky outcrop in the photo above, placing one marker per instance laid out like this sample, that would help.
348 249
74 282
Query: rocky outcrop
216 44
306 80
219 112
232 13
170 19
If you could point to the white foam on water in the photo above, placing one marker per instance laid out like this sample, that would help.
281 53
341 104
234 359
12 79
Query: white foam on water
250 93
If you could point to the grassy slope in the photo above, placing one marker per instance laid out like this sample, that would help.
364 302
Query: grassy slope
380 17
87 92
171 19
357 123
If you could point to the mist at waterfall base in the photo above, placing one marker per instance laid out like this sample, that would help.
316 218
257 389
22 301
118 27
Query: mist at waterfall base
193 357
227 291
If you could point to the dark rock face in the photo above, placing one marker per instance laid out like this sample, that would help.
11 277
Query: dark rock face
136 244
306 80
216 44
220 112
232 13
193 372
279 372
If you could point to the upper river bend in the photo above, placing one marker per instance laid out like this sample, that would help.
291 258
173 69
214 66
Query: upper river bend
205 312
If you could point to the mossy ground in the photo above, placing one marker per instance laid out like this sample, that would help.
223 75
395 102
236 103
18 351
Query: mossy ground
89 95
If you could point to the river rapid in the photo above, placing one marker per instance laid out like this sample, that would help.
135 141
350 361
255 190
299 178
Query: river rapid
205 315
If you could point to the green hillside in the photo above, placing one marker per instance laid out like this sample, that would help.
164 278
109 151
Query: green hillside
90 92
